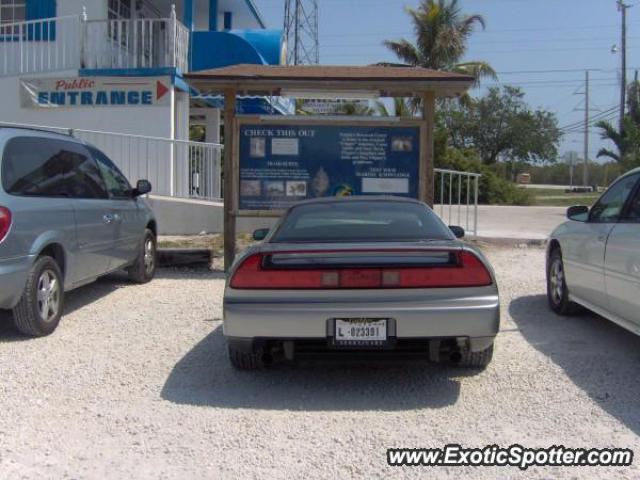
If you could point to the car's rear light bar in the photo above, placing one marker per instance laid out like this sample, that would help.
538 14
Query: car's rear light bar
5 222
260 272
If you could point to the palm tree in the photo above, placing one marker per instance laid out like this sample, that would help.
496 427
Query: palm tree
442 32
626 141
400 106
357 109
300 107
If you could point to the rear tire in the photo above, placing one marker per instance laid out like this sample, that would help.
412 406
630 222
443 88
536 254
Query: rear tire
557 291
479 360
40 308
245 361
144 268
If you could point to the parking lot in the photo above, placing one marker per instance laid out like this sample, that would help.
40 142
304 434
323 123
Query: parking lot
136 383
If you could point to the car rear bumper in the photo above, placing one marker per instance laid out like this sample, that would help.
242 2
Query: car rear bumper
13 277
433 318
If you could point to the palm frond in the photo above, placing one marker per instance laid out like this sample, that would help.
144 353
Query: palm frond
477 70
404 50
381 109
609 132
605 152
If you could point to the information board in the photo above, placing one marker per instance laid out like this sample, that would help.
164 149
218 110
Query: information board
282 164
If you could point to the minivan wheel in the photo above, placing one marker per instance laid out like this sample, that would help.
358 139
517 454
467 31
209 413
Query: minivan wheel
144 268
40 308
557 291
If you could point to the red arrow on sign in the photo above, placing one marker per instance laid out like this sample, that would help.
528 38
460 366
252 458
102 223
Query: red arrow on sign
161 90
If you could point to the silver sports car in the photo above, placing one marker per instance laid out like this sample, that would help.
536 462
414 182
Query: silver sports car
361 275
593 259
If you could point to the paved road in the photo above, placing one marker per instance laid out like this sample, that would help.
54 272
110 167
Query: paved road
527 223
519 222
136 384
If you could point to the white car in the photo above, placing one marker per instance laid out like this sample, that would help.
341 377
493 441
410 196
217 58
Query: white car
593 260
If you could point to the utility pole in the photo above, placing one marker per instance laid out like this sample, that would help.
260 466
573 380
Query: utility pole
622 8
585 168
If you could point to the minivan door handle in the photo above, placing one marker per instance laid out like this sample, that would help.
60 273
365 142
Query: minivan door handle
107 218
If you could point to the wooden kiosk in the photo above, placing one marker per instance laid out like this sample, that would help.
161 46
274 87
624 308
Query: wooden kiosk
325 81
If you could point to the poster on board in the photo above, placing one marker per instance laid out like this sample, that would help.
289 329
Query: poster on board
283 164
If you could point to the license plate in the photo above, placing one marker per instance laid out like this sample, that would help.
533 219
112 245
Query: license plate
360 332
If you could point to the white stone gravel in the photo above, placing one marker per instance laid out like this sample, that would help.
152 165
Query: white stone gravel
136 384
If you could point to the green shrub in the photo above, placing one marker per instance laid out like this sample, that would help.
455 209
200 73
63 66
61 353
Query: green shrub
493 189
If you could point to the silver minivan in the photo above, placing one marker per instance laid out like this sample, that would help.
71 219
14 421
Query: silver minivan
67 217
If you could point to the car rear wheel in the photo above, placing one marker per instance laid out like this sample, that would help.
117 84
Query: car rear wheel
144 268
480 360
557 291
40 308
245 360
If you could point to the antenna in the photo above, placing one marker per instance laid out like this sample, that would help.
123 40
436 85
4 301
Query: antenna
301 32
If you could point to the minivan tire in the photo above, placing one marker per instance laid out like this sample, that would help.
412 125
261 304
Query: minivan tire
144 268
27 315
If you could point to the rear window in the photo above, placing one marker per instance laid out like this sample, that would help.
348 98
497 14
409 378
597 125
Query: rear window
44 167
355 221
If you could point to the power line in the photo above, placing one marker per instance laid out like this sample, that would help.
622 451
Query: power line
592 122
558 28
606 112
521 50
491 42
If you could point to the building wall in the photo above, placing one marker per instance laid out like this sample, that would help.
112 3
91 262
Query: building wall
96 9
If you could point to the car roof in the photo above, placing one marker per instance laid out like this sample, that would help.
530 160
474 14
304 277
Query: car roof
15 130
357 198
631 172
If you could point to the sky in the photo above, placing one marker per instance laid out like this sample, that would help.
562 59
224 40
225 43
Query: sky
542 46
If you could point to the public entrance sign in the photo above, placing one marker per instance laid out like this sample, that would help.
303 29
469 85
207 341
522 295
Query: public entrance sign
283 163
94 92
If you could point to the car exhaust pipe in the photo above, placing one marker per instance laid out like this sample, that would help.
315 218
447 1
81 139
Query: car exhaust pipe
267 359
455 357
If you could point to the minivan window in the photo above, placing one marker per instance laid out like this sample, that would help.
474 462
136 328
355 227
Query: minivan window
633 214
361 221
609 207
117 184
44 167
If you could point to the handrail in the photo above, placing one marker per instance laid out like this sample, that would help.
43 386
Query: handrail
457 194
177 168
73 42
41 20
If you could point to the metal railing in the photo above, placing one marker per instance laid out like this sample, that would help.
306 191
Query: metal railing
40 45
176 168
139 43
74 42
456 198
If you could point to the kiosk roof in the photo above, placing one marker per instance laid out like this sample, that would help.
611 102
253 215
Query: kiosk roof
382 80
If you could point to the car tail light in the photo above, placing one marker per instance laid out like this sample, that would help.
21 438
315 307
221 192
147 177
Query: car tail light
258 273
5 222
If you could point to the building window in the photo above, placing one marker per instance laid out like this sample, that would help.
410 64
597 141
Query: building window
119 9
12 11
228 20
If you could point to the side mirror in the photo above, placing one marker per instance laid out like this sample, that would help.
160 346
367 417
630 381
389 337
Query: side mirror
578 213
142 188
457 231
260 234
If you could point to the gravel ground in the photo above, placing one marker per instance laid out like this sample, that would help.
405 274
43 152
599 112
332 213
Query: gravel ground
136 384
